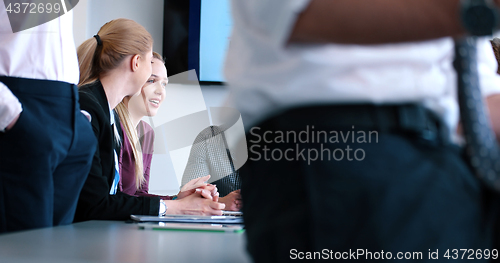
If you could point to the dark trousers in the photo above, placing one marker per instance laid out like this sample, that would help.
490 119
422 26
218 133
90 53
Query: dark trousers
45 158
400 192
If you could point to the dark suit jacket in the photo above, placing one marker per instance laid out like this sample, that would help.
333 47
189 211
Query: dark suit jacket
210 155
95 202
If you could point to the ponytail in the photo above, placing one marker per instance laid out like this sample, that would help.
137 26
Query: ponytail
105 51
133 138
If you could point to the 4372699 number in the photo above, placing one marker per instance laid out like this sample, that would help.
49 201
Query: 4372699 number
471 254
32 8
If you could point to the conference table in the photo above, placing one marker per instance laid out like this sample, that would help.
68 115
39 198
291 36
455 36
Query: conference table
117 241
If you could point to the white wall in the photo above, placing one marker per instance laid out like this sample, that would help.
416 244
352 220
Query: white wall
90 15
80 21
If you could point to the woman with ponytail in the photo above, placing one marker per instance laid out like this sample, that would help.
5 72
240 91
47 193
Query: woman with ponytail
115 64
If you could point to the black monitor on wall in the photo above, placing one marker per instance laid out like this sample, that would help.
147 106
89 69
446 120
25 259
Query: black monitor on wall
196 36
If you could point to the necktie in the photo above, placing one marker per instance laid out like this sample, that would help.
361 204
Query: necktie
481 145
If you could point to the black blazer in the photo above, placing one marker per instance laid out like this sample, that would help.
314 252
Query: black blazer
95 202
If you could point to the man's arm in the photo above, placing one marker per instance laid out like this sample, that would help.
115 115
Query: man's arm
10 108
377 21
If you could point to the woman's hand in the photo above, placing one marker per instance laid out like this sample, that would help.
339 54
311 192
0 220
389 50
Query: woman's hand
194 204
232 201
198 184
208 194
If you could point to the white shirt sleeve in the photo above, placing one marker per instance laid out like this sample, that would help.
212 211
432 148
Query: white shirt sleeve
487 68
10 106
273 20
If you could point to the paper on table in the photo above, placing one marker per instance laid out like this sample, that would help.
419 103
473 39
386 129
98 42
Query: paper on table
192 227
232 213
189 219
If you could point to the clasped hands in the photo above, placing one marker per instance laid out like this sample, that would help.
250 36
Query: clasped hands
198 188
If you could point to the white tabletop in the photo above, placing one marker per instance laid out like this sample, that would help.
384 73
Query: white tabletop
112 241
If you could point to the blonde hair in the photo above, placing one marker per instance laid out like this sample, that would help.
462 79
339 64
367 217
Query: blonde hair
118 39
133 137
159 57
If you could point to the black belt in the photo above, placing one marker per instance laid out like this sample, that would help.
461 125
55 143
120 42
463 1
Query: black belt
40 87
409 119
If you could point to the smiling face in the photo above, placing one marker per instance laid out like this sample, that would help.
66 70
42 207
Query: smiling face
152 94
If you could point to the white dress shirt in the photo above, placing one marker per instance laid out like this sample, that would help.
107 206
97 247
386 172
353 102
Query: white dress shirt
46 51
265 74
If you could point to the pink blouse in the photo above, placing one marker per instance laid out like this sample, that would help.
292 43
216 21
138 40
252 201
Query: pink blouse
127 182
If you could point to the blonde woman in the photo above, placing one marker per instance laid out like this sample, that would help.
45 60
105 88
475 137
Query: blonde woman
114 64
135 158
137 150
